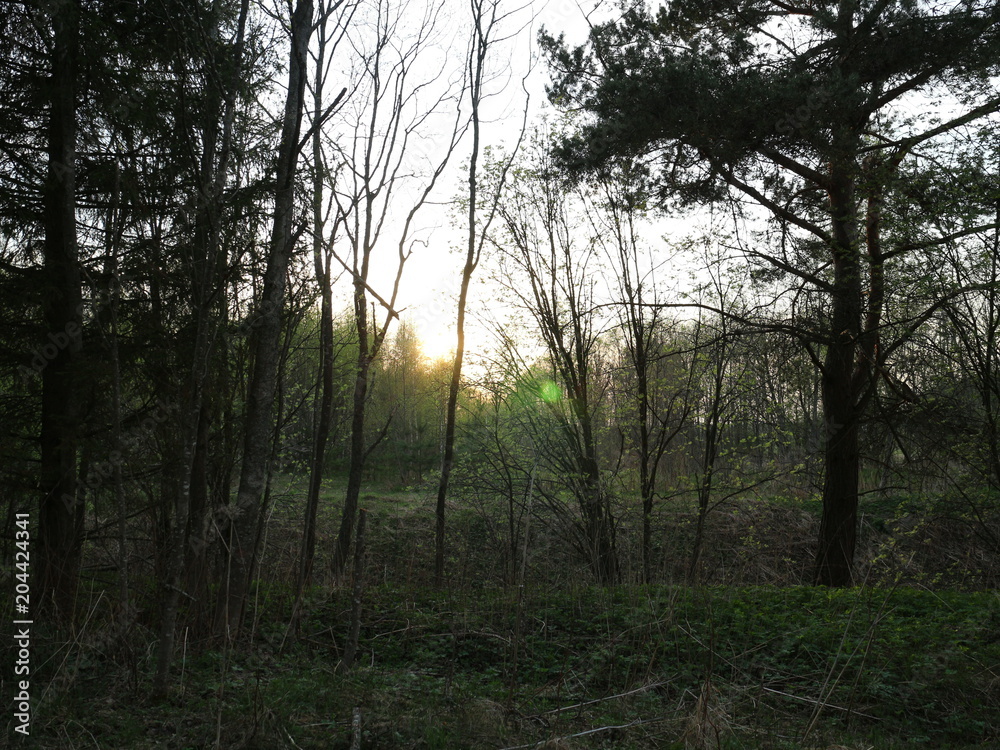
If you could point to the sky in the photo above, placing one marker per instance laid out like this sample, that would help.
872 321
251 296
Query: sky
430 286
432 277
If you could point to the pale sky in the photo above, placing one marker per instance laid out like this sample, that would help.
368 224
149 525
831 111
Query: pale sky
430 286
431 280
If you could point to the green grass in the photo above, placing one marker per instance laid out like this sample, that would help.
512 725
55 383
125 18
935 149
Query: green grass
745 667
483 666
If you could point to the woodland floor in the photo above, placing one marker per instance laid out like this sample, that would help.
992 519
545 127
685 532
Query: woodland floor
750 659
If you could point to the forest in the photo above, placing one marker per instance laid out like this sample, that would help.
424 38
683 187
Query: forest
709 456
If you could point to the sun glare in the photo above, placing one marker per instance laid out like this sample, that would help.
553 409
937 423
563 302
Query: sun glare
437 343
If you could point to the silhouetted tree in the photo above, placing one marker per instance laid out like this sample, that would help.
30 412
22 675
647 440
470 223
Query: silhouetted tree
800 122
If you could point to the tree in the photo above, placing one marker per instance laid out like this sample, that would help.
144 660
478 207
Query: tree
323 265
659 395
485 20
954 426
211 175
720 365
61 513
242 541
805 122
549 272
383 187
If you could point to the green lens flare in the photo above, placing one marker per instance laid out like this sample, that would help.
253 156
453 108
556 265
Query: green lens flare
550 392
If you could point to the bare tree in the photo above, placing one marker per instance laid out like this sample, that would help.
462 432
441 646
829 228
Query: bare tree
326 46
551 275
486 18
955 422
399 98
713 342
658 391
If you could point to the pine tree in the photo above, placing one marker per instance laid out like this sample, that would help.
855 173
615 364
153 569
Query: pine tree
793 106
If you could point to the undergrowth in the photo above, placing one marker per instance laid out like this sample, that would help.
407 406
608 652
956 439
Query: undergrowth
628 667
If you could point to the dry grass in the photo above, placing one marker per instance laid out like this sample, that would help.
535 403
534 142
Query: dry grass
709 724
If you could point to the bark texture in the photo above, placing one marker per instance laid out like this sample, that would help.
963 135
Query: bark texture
61 510
242 536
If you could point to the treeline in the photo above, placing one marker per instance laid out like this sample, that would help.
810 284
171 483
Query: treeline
609 397
184 185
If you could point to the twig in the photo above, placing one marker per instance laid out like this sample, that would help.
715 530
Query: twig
636 723
291 739
815 702
78 642
600 700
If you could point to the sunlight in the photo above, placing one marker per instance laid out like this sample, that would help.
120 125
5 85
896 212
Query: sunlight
437 342
433 319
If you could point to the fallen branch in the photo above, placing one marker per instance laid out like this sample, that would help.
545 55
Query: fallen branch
642 689
815 702
636 723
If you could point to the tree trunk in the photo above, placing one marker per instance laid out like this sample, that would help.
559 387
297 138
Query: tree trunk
61 515
321 436
597 514
357 598
449 437
477 58
456 370
646 484
322 267
710 454
242 531
355 473
704 496
838 526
